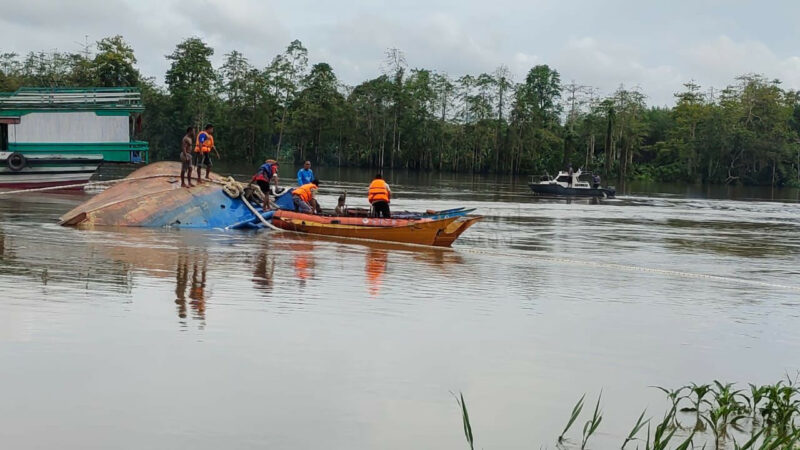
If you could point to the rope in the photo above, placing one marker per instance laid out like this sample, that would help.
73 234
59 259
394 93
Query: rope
235 189
91 183
260 217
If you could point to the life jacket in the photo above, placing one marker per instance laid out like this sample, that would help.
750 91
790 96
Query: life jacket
304 191
378 191
204 143
266 172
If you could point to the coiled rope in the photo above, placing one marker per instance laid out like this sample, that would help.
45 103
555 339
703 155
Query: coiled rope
235 189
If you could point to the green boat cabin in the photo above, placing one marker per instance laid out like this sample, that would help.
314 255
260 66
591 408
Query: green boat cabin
79 121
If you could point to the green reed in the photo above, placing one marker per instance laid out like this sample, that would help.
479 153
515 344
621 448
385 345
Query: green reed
762 417
465 419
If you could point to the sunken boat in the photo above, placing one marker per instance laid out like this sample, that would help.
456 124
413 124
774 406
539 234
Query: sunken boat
153 197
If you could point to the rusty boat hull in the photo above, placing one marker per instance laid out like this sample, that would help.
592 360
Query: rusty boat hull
153 197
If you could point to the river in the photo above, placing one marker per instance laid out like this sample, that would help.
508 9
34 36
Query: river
134 338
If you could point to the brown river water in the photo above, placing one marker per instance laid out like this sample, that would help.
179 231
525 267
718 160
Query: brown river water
157 338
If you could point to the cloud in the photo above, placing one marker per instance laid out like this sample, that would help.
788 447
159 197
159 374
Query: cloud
718 61
653 45
607 65
356 47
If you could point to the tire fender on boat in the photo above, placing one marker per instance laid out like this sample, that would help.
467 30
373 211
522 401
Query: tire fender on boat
16 161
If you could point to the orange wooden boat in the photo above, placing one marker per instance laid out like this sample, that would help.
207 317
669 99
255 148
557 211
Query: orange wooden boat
420 232
450 233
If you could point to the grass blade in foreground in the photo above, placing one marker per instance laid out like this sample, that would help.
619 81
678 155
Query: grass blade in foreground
591 425
465 417
636 428
576 411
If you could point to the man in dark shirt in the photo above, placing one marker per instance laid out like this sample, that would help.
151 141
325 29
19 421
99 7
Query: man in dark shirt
186 157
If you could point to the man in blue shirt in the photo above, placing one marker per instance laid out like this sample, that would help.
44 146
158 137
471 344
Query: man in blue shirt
305 175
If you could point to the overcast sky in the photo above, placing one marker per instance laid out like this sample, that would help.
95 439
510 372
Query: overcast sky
654 44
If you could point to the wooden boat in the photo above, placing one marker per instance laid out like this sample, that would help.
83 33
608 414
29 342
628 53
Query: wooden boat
153 197
450 233
420 232
430 214
35 170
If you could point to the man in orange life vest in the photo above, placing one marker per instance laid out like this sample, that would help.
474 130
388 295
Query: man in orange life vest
379 196
202 151
304 198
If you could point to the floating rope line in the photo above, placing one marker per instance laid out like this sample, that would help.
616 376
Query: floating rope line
87 184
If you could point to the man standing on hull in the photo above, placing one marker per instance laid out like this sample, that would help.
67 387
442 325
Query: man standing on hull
379 197
186 157
202 150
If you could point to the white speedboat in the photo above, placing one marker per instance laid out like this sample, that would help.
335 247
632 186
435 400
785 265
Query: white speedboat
568 185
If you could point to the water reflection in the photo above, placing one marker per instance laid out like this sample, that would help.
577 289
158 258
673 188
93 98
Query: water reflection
303 262
567 200
197 293
2 245
191 276
375 268
264 270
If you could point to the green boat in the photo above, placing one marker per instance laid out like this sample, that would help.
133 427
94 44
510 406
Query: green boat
73 121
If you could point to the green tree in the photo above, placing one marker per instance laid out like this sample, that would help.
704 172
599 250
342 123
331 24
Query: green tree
315 109
284 75
113 65
190 80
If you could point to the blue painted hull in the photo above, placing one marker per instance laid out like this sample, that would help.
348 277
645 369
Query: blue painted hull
153 198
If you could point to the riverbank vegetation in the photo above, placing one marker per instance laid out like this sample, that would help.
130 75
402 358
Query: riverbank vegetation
713 416
415 118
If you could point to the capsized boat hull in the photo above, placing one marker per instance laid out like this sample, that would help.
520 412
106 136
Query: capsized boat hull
420 232
153 197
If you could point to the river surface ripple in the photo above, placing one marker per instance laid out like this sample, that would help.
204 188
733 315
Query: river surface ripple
137 338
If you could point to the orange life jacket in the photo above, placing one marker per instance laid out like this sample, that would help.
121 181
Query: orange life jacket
205 144
378 191
304 191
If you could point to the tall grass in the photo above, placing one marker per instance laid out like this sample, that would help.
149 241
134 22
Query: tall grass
721 417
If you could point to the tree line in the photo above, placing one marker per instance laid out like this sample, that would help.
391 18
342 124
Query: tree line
748 132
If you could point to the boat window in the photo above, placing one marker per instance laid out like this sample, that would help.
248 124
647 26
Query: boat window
3 137
563 179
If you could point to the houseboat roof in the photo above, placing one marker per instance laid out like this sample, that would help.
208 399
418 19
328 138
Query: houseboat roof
26 100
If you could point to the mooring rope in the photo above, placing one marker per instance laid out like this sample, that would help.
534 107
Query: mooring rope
90 183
